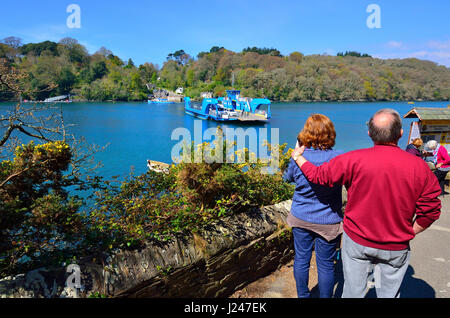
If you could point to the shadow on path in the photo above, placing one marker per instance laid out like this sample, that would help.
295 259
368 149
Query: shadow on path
339 279
411 287
414 287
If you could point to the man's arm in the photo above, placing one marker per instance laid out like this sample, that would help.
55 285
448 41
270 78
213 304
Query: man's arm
328 174
428 206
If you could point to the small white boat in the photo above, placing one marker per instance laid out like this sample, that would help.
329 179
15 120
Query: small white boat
159 167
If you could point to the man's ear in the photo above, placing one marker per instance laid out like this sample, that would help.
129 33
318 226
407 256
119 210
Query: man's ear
368 132
401 133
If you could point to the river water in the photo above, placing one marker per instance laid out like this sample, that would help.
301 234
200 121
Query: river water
136 132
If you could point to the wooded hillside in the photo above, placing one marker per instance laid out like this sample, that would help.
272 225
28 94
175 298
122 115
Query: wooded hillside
258 72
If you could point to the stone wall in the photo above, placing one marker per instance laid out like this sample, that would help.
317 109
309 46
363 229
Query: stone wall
215 262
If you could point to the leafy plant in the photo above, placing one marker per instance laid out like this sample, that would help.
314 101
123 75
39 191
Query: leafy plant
160 206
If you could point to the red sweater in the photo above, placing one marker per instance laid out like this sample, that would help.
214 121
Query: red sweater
387 188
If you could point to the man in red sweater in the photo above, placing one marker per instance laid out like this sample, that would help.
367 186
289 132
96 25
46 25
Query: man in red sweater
392 196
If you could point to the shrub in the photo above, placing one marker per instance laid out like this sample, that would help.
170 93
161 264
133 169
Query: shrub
42 223
159 206
37 216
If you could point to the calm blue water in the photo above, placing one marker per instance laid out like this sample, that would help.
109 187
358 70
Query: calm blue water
138 131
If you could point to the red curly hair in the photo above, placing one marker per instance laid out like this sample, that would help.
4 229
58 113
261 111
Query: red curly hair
318 133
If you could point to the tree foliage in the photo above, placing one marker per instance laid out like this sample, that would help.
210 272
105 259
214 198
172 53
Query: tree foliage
192 195
258 72
351 76
353 53
40 219
38 48
41 166
72 70
263 51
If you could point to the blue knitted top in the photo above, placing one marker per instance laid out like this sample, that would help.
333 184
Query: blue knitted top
312 202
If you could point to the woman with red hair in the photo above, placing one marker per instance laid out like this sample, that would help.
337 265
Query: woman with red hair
316 212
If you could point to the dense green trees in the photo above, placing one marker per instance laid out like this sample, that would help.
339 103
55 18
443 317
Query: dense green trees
38 48
258 72
353 53
263 51
72 70
350 76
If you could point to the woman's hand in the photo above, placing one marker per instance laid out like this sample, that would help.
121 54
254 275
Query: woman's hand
439 165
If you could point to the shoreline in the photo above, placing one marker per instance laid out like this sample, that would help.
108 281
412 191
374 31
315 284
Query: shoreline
273 101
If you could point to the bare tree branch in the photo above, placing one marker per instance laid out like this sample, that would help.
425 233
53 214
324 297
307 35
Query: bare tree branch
6 135
16 174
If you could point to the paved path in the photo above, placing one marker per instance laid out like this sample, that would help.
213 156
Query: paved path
428 275
429 271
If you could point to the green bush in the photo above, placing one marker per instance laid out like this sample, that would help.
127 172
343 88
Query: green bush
159 206
37 216
42 223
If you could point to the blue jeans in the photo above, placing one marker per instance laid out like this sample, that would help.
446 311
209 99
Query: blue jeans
325 256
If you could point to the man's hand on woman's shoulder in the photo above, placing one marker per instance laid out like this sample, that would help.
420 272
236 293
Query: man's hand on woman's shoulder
297 155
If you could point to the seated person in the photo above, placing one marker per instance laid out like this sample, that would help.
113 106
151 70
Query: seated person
414 147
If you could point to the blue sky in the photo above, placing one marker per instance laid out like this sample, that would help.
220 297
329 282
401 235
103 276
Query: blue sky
147 30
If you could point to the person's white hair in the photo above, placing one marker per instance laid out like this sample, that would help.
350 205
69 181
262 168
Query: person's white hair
432 144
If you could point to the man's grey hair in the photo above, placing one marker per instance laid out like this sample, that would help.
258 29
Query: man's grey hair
386 134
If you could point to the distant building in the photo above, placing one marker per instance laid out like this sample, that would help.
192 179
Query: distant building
175 99
180 90
206 95
160 93
150 86
57 99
